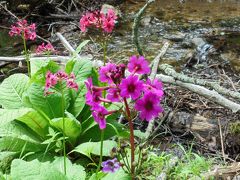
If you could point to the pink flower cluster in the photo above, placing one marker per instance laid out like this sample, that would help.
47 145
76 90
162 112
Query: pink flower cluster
53 79
22 28
99 20
48 48
146 95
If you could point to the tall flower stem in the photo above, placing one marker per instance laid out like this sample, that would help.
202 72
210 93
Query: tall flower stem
104 53
26 55
131 137
63 123
101 152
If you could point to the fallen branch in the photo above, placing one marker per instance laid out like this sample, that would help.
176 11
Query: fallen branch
209 94
136 26
181 77
155 65
21 58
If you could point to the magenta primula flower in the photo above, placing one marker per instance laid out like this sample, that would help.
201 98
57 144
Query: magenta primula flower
98 20
22 28
111 165
154 86
149 106
53 79
113 94
48 48
131 87
72 84
108 26
138 65
62 75
93 96
99 112
105 72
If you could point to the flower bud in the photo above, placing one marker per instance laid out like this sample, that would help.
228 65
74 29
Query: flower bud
134 164
144 152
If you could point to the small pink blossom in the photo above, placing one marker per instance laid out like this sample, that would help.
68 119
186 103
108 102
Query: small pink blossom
22 28
48 48
154 86
93 96
98 20
53 79
108 26
131 87
105 72
99 114
149 106
62 75
72 84
113 94
138 65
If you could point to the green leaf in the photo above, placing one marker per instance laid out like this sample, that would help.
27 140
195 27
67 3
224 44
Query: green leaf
79 48
36 122
50 105
89 148
119 175
82 70
72 127
91 131
15 144
11 91
17 137
8 115
23 170
37 64
69 66
77 101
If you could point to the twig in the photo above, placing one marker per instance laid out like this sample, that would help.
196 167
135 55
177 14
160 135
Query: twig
211 95
221 137
95 63
136 25
181 77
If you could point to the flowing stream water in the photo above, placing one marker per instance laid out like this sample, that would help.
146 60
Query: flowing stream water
194 28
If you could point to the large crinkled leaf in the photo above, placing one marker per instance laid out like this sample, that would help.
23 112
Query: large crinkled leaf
50 105
19 145
89 148
12 89
18 130
72 128
37 122
77 102
18 138
82 69
8 115
22 170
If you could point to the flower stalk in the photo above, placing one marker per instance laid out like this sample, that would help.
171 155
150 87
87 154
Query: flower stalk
101 152
63 123
26 54
131 136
